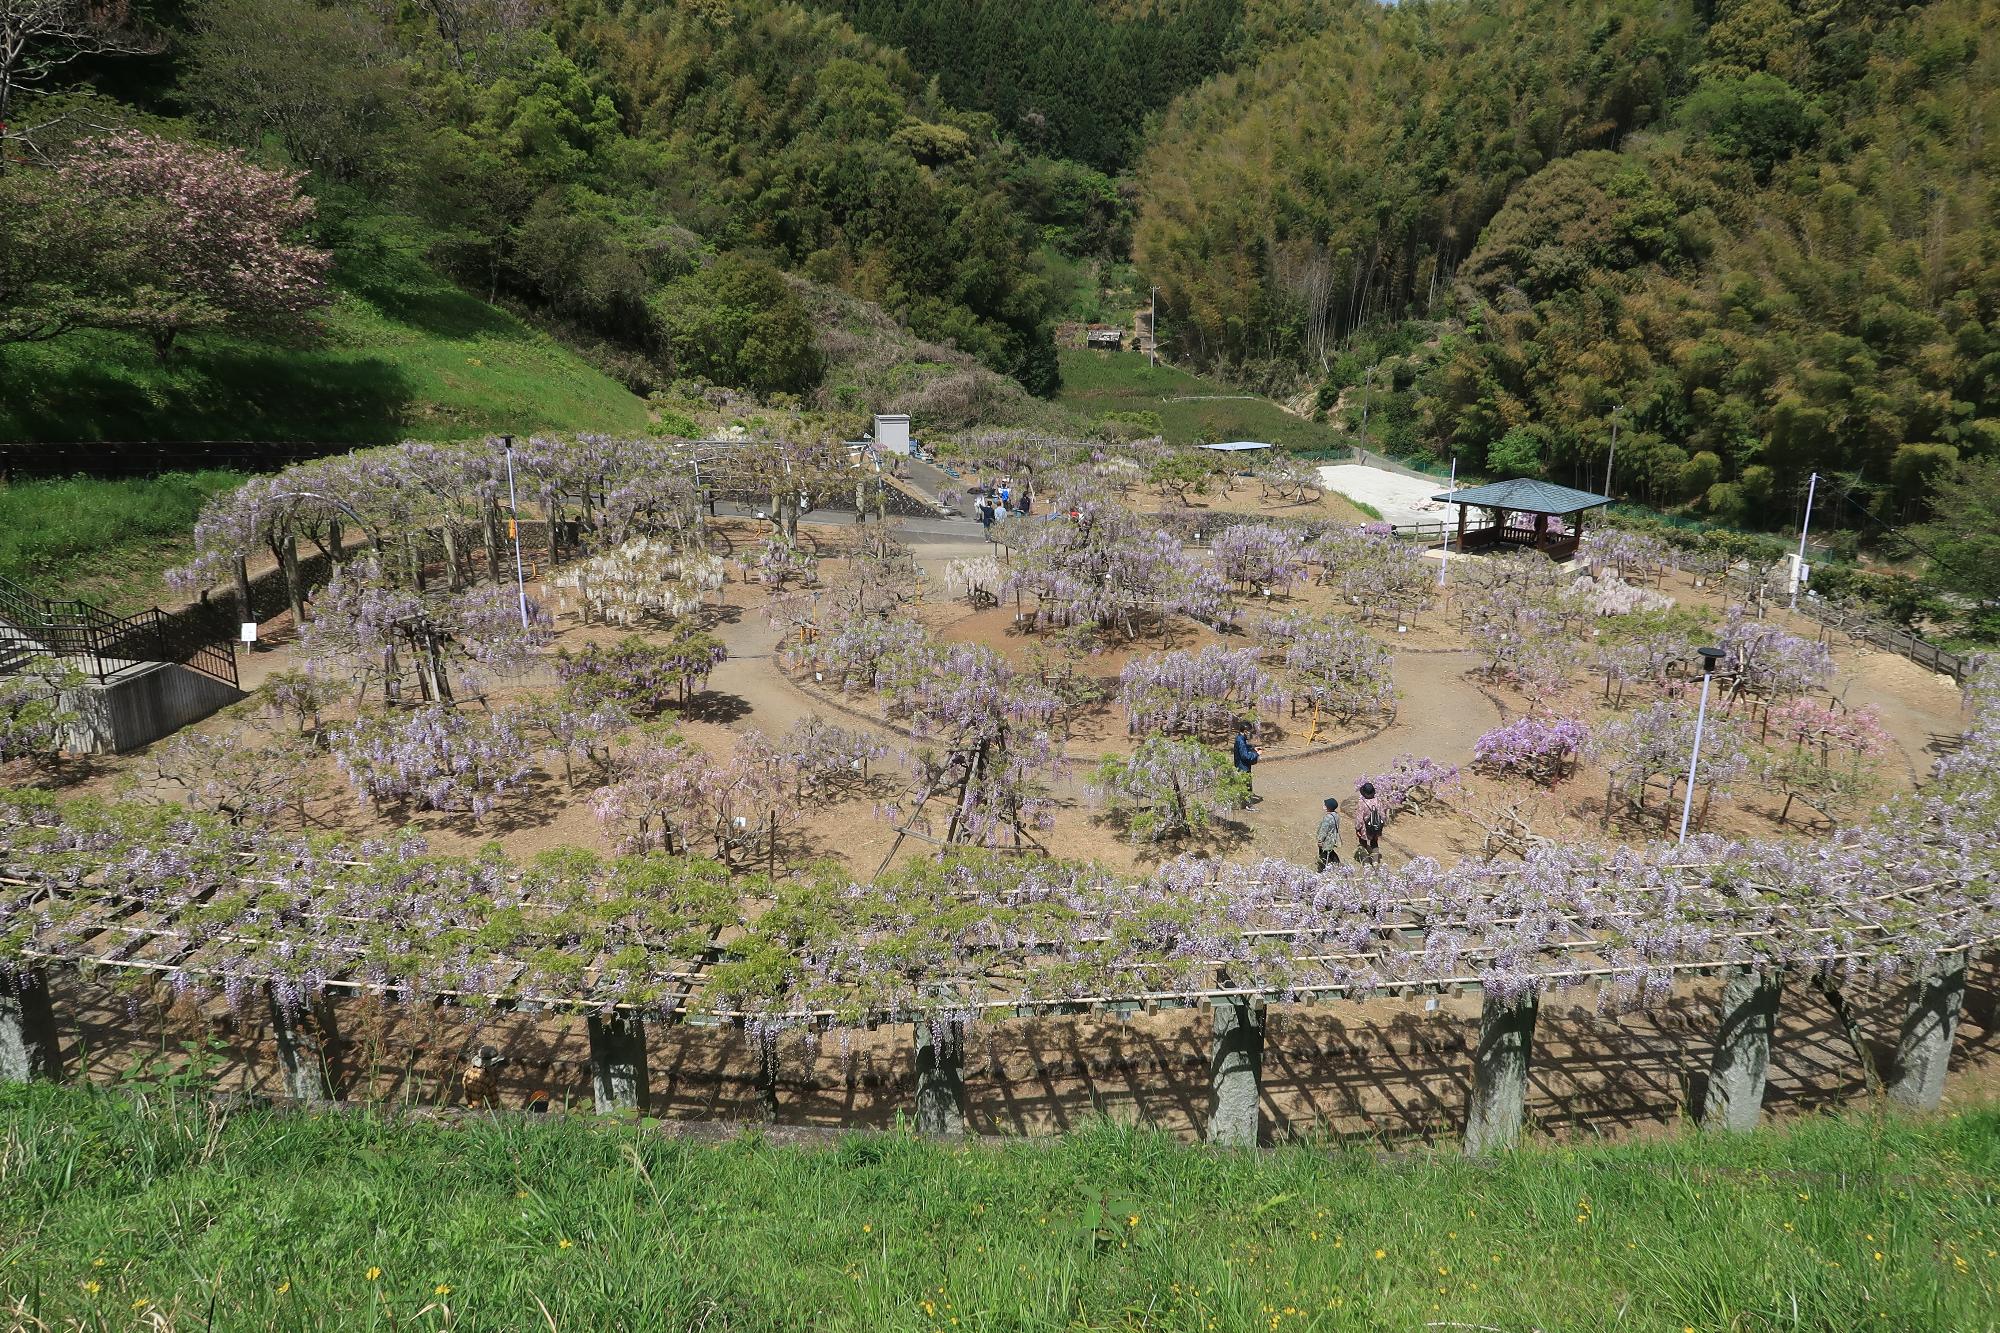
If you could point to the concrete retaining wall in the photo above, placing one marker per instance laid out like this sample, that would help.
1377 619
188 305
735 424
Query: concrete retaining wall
141 706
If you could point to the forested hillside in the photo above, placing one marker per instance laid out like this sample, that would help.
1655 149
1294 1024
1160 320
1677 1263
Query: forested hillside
1754 237
637 176
1344 177
1769 238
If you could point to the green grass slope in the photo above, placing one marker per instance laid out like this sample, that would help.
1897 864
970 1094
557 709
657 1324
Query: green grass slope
104 541
406 353
121 1210
1098 382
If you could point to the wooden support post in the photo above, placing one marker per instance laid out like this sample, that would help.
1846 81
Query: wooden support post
1738 1069
618 1076
1929 1025
288 561
29 1046
489 524
303 1035
940 1077
1500 1074
1235 1074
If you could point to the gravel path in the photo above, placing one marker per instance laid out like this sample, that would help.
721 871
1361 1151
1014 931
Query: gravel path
1400 499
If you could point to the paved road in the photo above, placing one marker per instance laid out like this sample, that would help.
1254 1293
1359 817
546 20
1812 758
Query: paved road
913 530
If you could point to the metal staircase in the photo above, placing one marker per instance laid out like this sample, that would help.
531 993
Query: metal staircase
37 630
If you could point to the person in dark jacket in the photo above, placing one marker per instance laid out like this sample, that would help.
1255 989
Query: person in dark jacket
1245 754
985 510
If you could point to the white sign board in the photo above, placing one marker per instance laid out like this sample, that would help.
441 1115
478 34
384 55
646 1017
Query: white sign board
249 631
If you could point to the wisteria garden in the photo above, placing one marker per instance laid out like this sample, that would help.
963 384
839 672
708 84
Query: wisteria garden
667 751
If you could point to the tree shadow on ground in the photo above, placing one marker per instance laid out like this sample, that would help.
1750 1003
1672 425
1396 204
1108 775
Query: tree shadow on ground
714 706
214 388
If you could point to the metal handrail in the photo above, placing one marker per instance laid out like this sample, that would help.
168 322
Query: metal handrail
106 645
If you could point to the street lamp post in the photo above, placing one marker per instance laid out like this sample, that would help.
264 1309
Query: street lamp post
1709 657
514 522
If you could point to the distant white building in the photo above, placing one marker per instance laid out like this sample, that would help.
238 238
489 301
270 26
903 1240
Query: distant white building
892 433
1235 447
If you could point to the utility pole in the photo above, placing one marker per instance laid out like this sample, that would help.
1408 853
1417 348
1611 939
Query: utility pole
1367 382
1153 330
1444 564
1612 456
1799 562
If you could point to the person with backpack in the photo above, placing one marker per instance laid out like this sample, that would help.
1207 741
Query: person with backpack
1245 755
1328 835
1370 818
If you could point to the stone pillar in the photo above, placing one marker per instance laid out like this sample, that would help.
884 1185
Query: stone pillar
940 1077
29 1047
303 1035
1500 1074
618 1077
766 1080
1929 1024
1737 1070
1235 1072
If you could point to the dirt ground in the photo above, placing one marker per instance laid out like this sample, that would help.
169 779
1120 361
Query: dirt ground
1386 1069
1443 705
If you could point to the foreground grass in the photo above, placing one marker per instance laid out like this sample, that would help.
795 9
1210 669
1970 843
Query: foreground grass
105 541
405 353
118 1210
1098 382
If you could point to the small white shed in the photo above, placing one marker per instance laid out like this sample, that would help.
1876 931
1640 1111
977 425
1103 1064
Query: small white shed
892 433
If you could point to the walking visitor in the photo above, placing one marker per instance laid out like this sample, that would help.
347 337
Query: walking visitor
1371 816
1246 756
1329 834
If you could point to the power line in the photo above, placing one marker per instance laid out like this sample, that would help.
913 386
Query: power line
1928 552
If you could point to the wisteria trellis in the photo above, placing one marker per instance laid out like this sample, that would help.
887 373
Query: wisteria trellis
208 906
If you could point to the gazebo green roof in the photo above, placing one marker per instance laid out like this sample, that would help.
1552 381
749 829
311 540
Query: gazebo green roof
1527 495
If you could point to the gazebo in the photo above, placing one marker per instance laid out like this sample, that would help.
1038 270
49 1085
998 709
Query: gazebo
1509 504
